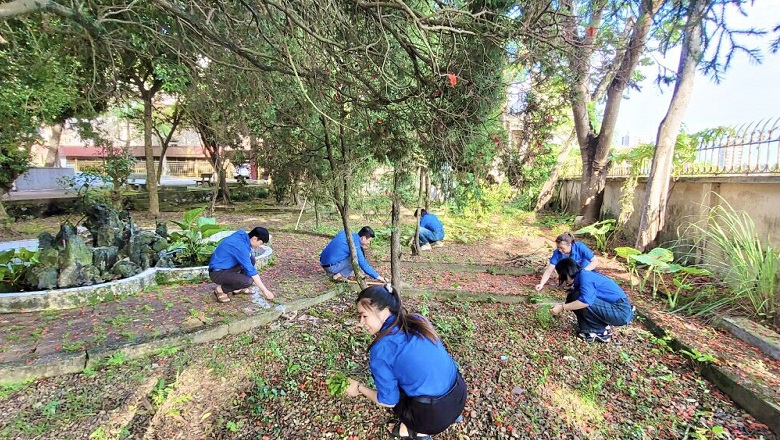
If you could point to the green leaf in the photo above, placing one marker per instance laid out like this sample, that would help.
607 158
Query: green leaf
626 252
337 384
191 215
202 221
662 254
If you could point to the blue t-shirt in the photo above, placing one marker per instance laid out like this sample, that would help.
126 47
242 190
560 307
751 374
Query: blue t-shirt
580 253
594 285
431 222
338 250
413 364
233 251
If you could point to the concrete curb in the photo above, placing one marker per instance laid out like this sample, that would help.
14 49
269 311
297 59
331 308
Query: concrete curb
69 363
74 297
754 334
763 408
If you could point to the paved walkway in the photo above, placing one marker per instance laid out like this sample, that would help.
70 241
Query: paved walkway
157 311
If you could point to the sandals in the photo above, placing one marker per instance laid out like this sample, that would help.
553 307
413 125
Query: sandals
396 433
221 296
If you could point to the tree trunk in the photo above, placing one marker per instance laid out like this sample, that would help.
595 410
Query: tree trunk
341 193
53 147
151 179
420 192
3 213
427 191
395 237
653 214
549 186
594 146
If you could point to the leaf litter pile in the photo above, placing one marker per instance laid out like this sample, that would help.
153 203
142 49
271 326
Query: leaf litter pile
528 377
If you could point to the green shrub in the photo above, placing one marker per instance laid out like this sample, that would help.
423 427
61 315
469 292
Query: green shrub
191 244
735 254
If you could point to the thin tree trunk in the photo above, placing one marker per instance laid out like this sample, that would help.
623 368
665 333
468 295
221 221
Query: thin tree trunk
549 186
420 192
395 237
341 194
427 191
653 214
151 179
53 147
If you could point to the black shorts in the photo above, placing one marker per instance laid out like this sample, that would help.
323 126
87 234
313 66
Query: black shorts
432 415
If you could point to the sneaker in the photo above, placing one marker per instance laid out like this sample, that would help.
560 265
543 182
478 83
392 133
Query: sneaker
437 244
595 337
425 247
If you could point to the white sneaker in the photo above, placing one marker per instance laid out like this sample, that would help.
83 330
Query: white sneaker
438 244
425 247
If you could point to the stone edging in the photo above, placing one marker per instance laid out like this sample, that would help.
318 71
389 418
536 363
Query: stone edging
754 334
90 295
70 363
763 408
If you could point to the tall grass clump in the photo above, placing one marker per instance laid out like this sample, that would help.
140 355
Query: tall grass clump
734 252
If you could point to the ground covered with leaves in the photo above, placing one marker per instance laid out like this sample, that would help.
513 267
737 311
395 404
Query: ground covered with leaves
528 376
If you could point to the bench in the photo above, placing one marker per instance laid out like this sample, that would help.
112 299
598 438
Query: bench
137 181
205 179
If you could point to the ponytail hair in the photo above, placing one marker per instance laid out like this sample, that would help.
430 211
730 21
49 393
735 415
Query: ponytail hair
387 297
566 237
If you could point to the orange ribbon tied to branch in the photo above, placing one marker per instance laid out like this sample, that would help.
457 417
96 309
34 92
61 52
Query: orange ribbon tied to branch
453 79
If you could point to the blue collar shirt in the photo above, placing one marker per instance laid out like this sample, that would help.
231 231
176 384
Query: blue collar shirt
431 222
593 285
233 251
412 364
580 253
338 250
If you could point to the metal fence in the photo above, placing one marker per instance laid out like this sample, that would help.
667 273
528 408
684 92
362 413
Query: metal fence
750 149
174 168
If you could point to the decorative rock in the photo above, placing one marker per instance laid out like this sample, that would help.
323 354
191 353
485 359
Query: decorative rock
45 241
126 268
164 260
162 229
91 275
43 278
160 245
48 257
75 251
104 258
72 275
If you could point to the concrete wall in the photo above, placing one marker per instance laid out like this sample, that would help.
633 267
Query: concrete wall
690 200
41 179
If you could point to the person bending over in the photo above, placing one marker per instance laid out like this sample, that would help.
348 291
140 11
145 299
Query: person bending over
335 257
232 265
413 372
596 300
431 230
567 247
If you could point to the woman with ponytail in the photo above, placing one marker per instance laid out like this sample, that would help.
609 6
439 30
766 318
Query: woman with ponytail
567 247
413 372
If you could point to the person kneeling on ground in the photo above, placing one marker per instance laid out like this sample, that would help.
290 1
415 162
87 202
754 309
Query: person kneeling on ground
335 257
596 300
413 372
567 247
431 230
232 265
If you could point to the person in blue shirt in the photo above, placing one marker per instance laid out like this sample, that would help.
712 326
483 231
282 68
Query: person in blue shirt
431 230
596 300
335 257
232 265
567 247
413 372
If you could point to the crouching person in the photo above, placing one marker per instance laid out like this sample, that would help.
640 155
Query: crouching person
413 372
232 265
596 300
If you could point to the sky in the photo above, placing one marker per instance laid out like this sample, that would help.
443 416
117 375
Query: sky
747 92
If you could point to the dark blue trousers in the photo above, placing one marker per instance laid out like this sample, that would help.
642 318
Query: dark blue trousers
600 314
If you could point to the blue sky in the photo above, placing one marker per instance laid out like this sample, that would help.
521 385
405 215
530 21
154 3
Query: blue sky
747 92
